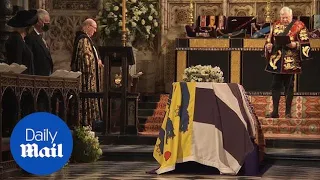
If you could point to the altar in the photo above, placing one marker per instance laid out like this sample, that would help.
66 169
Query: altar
242 61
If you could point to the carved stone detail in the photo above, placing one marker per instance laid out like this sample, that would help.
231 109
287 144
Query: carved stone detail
178 14
74 4
261 11
61 36
67 15
241 9
209 9
300 9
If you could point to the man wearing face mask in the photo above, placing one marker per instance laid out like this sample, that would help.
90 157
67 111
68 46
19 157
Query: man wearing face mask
284 61
43 64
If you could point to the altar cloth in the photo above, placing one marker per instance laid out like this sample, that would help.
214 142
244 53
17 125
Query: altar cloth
209 123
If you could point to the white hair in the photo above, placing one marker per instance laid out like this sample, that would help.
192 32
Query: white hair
286 10
41 13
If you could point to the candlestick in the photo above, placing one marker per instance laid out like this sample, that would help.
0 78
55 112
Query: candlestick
124 12
190 20
268 9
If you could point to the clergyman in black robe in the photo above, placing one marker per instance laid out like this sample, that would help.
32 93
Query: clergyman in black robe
85 59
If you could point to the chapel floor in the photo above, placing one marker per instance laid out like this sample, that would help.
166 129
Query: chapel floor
136 170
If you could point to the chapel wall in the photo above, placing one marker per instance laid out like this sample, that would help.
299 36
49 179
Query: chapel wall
159 67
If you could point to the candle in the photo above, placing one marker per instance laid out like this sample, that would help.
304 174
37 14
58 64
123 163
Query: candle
124 15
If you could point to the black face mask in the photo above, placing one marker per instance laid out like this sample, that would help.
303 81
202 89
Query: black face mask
45 27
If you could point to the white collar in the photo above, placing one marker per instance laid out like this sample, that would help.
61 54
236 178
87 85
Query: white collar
36 31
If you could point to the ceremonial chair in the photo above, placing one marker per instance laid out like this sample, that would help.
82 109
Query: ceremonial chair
221 27
238 26
205 26
307 20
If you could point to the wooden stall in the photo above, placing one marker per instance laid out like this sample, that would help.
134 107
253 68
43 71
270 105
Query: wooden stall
21 95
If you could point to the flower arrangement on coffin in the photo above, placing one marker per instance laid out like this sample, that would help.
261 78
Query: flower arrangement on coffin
142 19
86 147
201 73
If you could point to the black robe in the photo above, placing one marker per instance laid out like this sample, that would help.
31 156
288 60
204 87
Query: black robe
85 60
19 52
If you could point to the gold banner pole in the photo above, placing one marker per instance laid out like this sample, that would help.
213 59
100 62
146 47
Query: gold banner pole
190 19
124 12
268 12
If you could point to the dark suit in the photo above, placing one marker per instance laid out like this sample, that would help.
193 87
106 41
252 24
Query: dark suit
18 52
43 64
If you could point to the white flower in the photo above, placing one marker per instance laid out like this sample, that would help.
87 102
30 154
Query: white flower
136 18
148 28
155 24
143 22
201 73
142 19
116 8
110 15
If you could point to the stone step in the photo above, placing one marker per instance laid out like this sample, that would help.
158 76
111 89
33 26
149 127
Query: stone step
152 127
302 106
150 119
154 98
127 153
152 112
293 143
152 105
145 153
293 154
114 139
305 128
150 138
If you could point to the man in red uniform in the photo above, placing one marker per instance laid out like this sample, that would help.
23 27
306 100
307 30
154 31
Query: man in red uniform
284 61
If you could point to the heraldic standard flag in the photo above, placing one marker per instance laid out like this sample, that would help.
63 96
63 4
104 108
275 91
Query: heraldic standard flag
209 123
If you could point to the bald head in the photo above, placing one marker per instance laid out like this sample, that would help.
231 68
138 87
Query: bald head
89 26
88 22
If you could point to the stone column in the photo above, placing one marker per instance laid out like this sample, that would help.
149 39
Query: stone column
26 5
5 13
317 7
42 4
225 7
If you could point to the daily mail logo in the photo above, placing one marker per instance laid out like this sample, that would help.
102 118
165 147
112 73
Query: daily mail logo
41 143
32 150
